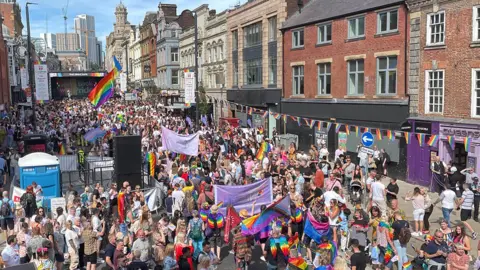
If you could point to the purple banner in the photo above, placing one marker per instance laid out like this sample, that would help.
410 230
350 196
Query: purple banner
242 197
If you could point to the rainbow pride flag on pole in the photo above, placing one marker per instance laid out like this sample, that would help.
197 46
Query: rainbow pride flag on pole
264 149
104 88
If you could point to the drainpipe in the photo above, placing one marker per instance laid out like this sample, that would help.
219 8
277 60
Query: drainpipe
407 61
283 80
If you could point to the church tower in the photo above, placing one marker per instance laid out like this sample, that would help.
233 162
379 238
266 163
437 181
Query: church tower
121 14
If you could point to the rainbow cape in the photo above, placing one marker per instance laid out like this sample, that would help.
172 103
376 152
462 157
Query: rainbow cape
298 216
283 243
299 262
104 88
215 221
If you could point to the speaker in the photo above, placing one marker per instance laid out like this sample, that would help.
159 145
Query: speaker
128 160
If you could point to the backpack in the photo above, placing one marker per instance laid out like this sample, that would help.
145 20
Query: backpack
5 209
196 234
404 235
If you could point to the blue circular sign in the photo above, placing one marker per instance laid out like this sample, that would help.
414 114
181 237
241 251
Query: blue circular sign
367 139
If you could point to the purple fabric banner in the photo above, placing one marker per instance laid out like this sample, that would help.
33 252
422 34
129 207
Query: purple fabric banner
242 197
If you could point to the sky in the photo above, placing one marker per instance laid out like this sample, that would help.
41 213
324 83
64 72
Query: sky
103 10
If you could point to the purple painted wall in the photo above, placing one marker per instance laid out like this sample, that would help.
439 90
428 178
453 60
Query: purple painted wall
418 158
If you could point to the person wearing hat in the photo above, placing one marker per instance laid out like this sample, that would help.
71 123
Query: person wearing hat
469 175
215 222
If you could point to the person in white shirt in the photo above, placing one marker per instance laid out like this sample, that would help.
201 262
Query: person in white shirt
332 194
73 244
379 194
447 197
370 180
178 197
61 218
10 254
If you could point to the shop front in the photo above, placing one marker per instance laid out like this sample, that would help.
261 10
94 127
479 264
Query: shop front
452 148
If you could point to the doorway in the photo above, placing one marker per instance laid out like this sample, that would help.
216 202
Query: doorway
460 156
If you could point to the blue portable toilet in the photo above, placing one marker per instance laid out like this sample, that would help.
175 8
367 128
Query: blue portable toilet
44 169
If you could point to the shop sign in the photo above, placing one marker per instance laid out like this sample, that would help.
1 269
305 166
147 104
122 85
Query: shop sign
460 132
406 127
423 127
321 137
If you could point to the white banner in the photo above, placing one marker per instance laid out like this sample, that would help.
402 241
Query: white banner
180 144
123 82
24 78
56 203
189 87
41 82
130 96
17 194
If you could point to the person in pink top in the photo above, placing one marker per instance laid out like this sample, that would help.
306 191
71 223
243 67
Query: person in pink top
249 165
332 182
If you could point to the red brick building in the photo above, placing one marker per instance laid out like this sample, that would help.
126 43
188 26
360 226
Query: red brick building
345 63
444 83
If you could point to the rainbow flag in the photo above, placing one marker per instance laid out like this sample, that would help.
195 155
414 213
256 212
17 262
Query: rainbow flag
390 135
152 161
467 142
104 88
356 131
319 125
329 124
293 117
332 247
421 138
312 123
250 110
299 121
407 266
451 141
121 206
276 116
294 240
264 149
337 127
256 223
378 133
284 116
61 150
265 114
407 137
433 140
298 262
347 129
366 130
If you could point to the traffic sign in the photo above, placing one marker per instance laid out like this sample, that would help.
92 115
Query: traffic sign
367 139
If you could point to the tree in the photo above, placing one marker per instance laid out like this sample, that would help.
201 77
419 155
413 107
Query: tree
203 105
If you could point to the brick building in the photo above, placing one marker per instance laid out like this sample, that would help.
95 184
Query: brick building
148 48
444 83
254 50
345 63
12 17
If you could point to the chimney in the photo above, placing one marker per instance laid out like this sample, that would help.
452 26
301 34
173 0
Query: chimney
212 13
170 10
300 5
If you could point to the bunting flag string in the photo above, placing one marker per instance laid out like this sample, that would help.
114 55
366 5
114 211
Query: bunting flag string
337 127
421 138
467 142
451 141
433 140
378 133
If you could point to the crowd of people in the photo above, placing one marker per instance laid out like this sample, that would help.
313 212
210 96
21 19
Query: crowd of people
112 226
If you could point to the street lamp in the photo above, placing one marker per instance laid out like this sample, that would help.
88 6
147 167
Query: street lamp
30 65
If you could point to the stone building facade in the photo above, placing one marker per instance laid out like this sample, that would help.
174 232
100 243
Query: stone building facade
116 39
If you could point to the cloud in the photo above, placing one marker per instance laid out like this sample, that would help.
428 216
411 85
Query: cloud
102 10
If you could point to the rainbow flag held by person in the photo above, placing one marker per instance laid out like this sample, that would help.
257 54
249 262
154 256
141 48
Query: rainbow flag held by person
298 262
104 88
294 240
121 206
152 161
231 221
316 229
467 142
61 149
256 223
264 149
332 247
433 140
407 266
451 142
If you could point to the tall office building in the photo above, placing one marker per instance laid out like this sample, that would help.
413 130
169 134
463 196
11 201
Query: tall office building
85 28
72 42
50 39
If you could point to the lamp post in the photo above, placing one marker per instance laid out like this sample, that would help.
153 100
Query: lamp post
30 66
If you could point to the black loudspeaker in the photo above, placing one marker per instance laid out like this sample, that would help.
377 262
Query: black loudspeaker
25 266
128 160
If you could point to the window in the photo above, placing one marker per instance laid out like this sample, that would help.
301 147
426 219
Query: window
355 77
476 23
214 54
235 74
220 49
387 21
235 40
174 33
272 29
252 72
252 35
272 70
434 84
297 38
356 27
174 54
324 79
209 55
387 75
436 28
175 77
298 84
476 93
324 33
